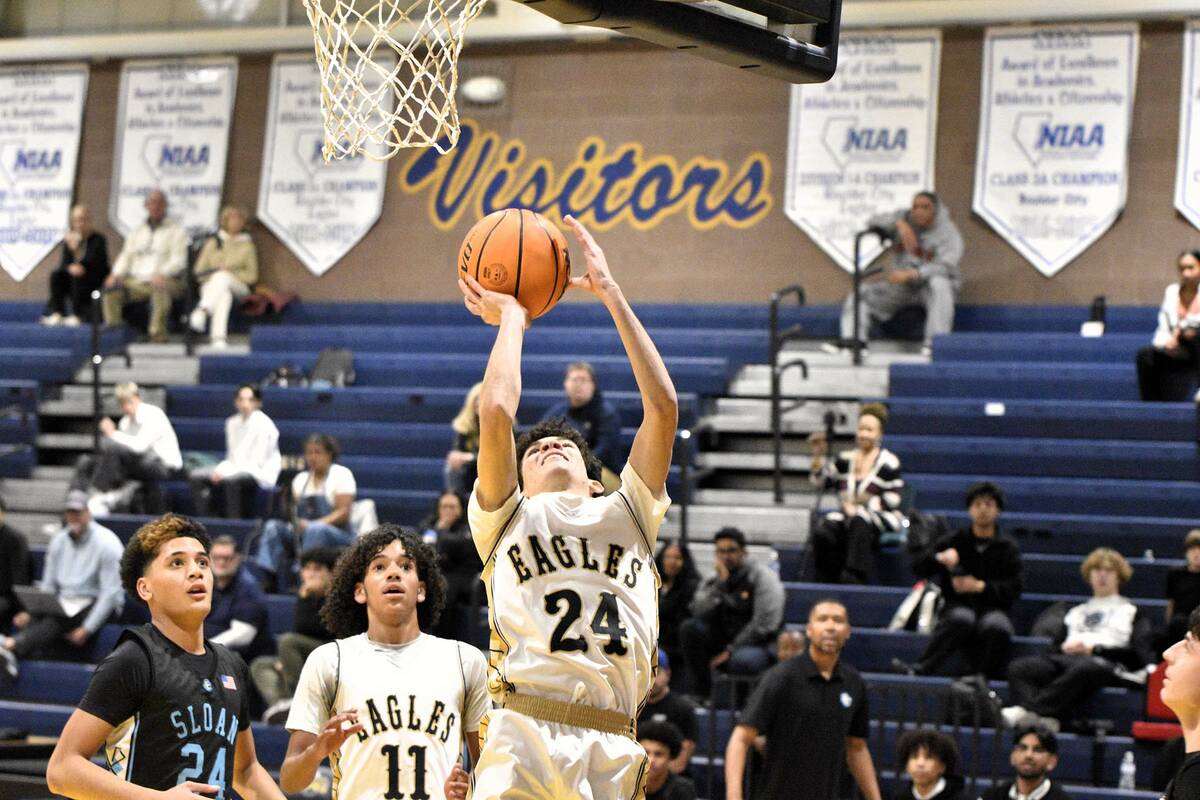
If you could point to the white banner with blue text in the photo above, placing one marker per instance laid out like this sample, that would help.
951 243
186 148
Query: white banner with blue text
319 211
863 143
173 120
1051 169
1187 171
41 118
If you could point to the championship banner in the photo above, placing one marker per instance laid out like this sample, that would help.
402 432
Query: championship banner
863 143
173 121
41 118
320 211
1055 111
1187 170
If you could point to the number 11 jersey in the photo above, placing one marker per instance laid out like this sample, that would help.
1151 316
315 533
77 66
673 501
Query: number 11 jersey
572 594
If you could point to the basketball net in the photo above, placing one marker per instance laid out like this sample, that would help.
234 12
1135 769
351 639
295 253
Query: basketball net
373 105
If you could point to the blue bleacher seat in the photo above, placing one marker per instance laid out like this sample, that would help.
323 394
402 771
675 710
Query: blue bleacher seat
1015 381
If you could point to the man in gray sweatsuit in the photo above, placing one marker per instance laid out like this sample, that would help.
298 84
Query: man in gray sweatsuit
925 272
736 615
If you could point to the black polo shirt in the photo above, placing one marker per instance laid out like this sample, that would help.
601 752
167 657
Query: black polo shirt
806 720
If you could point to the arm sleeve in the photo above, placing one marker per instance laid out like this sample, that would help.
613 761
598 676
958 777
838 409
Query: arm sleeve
1003 592
1162 334
341 481
248 270
762 705
648 509
67 258
767 616
860 723
176 261
707 596
111 596
486 526
155 427
886 220
18 566
121 265
118 685
204 261
476 703
927 565
313 700
947 253
97 258
239 634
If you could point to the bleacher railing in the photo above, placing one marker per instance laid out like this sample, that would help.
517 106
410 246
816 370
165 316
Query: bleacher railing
778 338
856 343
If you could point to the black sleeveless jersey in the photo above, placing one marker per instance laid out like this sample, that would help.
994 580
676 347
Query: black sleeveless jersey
175 715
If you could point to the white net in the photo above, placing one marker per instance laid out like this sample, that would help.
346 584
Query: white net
389 72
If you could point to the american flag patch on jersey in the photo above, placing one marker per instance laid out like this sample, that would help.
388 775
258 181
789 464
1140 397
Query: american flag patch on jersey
228 682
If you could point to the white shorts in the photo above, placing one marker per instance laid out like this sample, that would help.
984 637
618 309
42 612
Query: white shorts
522 758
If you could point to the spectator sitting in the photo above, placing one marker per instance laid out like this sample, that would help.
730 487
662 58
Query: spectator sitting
1102 641
227 269
447 530
736 613
663 744
83 268
596 419
925 273
869 486
1167 368
150 266
321 499
979 572
1183 590
663 705
238 618
83 569
252 461
1034 756
277 676
460 461
15 567
930 759
141 447
679 577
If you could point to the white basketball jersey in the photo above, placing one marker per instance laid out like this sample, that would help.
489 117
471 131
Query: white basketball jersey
573 594
411 701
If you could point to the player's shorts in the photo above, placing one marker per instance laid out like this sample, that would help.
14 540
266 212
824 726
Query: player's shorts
522 758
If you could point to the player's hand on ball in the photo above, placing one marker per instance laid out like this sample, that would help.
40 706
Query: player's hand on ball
486 304
457 783
190 790
337 730
598 279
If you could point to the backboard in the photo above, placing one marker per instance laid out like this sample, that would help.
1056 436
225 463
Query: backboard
792 40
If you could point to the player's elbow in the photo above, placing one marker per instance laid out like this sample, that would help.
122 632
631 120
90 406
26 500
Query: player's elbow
56 773
496 411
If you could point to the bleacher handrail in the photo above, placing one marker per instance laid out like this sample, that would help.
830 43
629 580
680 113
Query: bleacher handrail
777 340
856 343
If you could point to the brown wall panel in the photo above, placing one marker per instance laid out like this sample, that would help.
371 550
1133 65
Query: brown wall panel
681 108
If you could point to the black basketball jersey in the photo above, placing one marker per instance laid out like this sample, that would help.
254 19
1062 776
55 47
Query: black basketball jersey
175 715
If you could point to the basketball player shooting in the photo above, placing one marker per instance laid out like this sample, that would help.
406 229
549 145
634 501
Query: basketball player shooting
385 702
171 709
571 584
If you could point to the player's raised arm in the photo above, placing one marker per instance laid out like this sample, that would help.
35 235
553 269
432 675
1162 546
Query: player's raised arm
501 392
652 446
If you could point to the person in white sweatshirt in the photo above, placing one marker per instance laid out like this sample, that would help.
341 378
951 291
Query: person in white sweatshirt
1167 368
1102 642
252 461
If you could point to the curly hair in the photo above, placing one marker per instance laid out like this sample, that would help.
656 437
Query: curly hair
145 544
343 616
1106 557
559 428
935 744
877 410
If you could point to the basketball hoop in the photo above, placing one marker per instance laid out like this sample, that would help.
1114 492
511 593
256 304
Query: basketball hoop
373 105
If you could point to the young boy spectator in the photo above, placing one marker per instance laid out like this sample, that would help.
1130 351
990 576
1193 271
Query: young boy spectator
252 461
1034 756
737 613
1102 641
663 744
664 705
276 676
238 619
930 760
979 572
83 569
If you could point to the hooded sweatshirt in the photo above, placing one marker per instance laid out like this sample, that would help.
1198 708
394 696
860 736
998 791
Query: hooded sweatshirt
941 245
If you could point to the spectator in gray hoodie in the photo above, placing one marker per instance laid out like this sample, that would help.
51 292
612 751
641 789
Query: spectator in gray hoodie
736 615
925 272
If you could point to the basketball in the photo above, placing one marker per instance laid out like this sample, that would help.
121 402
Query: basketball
519 252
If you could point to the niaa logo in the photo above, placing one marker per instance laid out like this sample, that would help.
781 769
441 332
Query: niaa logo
1041 137
1070 136
27 161
875 140
177 159
600 186
847 142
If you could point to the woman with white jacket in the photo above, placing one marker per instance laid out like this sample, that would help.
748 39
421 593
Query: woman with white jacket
227 269
1167 369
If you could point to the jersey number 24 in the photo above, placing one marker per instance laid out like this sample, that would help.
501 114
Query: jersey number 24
605 622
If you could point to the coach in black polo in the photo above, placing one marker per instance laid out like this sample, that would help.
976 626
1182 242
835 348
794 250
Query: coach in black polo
813 711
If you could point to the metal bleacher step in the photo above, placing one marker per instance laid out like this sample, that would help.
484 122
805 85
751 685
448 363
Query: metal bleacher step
753 415
38 527
752 497
65 441
52 473
75 400
38 495
756 462
762 524
834 380
151 364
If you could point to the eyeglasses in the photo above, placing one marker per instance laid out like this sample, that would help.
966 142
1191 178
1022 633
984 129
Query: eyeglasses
728 551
